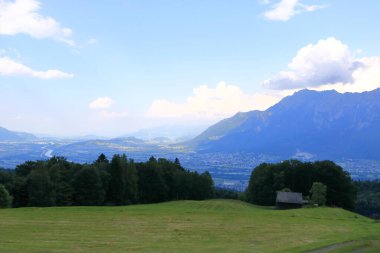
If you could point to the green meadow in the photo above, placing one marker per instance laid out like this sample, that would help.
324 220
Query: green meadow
185 226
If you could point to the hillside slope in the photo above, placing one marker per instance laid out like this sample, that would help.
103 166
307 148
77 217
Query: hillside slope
7 135
324 124
183 226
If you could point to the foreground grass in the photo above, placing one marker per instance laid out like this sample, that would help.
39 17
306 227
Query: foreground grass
184 226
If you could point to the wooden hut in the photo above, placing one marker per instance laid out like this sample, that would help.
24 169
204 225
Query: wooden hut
288 200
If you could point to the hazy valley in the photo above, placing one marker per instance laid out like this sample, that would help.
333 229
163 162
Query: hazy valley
308 126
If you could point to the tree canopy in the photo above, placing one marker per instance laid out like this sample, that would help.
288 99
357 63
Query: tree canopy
118 181
268 178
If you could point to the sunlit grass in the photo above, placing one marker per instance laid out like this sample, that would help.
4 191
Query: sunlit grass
183 226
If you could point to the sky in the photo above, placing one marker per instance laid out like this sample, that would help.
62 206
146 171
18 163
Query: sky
71 68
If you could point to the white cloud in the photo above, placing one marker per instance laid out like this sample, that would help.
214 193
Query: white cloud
9 67
21 16
365 78
211 103
286 9
101 103
329 64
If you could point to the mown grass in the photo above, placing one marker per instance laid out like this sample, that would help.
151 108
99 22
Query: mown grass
183 226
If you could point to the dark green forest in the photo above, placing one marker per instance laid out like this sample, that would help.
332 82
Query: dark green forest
268 178
120 181
368 198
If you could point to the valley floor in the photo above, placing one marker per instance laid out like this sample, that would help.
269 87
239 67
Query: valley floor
186 226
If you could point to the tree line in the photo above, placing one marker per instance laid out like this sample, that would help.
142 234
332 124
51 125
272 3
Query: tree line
120 181
268 178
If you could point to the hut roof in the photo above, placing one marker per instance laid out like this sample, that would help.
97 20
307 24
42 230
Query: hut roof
289 197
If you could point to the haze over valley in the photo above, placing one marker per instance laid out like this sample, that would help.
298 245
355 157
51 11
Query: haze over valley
322 125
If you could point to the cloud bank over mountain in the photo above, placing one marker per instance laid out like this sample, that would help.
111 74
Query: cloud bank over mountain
328 64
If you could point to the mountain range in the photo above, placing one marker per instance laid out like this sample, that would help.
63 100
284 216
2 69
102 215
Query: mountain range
311 124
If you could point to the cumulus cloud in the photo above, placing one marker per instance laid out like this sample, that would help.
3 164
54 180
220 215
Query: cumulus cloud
329 64
365 78
211 103
101 103
21 16
329 61
286 9
9 67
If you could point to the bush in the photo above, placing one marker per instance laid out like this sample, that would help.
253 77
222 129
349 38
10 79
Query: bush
5 198
318 194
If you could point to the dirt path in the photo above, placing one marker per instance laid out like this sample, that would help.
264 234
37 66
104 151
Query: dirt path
331 247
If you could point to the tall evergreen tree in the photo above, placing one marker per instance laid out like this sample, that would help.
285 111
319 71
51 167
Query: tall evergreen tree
102 159
40 188
152 185
130 180
116 187
88 188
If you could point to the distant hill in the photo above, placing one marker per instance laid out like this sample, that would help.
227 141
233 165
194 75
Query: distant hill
89 150
169 133
7 135
324 125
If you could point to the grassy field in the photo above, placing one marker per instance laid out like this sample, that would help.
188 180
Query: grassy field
185 226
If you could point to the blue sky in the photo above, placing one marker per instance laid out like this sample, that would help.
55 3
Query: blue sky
113 67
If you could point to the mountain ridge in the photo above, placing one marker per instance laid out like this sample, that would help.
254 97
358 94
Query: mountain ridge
326 124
